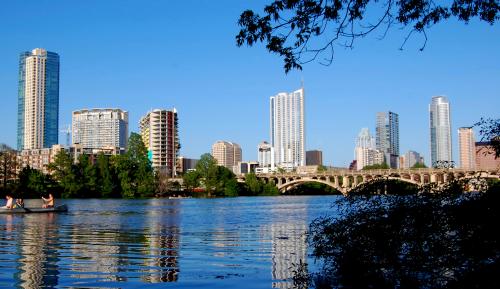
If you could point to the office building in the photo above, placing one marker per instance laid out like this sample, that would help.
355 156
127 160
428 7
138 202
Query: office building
265 156
38 100
467 148
365 152
485 157
314 158
440 129
387 137
411 158
288 129
100 127
159 133
227 154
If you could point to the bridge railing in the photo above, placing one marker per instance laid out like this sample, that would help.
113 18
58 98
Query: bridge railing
383 172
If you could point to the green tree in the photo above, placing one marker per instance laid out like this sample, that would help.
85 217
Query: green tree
270 189
105 178
65 173
419 166
207 169
299 31
33 183
134 170
191 180
322 168
87 174
382 166
125 173
226 184
254 185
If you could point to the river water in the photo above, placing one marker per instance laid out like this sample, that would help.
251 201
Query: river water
245 242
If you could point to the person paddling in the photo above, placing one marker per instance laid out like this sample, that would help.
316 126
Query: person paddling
19 203
9 204
48 202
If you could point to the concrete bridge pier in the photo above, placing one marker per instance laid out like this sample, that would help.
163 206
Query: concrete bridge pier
345 182
433 178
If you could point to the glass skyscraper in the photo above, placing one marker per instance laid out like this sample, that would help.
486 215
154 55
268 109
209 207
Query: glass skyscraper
38 99
387 137
440 128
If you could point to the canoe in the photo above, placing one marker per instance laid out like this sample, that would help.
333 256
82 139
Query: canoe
57 209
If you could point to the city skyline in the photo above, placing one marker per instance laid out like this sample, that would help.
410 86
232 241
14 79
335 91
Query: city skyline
336 107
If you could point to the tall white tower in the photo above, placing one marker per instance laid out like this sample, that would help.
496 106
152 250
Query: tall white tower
38 99
288 129
440 129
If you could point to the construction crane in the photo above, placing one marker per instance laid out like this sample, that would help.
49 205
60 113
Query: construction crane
67 130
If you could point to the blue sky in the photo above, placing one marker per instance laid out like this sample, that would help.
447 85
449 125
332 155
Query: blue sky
139 55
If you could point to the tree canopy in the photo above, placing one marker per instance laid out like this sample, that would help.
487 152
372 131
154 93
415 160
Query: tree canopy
300 31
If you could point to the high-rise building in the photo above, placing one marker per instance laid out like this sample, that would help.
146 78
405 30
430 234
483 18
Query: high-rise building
38 100
264 154
411 158
288 129
100 127
365 152
467 148
227 154
440 129
314 158
387 137
159 132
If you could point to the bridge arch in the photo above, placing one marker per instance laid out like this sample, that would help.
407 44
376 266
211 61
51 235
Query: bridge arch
289 185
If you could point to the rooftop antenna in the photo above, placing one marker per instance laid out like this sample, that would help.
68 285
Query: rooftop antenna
67 130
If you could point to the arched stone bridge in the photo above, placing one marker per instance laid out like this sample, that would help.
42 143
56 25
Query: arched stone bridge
346 180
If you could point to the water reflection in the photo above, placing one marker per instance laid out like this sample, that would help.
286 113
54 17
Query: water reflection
289 246
163 242
37 248
121 244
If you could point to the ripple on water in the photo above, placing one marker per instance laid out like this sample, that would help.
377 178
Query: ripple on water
194 243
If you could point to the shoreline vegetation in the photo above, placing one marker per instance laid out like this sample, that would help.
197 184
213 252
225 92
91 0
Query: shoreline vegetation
443 239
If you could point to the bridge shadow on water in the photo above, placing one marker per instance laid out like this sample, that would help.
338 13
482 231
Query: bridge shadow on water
312 188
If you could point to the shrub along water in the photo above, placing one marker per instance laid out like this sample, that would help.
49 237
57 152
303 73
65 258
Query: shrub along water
441 238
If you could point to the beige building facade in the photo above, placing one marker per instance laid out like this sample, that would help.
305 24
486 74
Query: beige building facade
467 148
227 154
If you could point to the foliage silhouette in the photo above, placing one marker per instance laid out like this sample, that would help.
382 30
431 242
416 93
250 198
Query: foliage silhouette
443 238
300 31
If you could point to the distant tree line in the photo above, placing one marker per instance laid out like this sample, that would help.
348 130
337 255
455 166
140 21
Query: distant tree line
121 176
219 181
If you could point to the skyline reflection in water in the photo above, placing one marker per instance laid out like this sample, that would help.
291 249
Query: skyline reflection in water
192 243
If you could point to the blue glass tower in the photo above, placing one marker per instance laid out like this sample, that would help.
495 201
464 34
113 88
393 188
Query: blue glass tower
38 99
